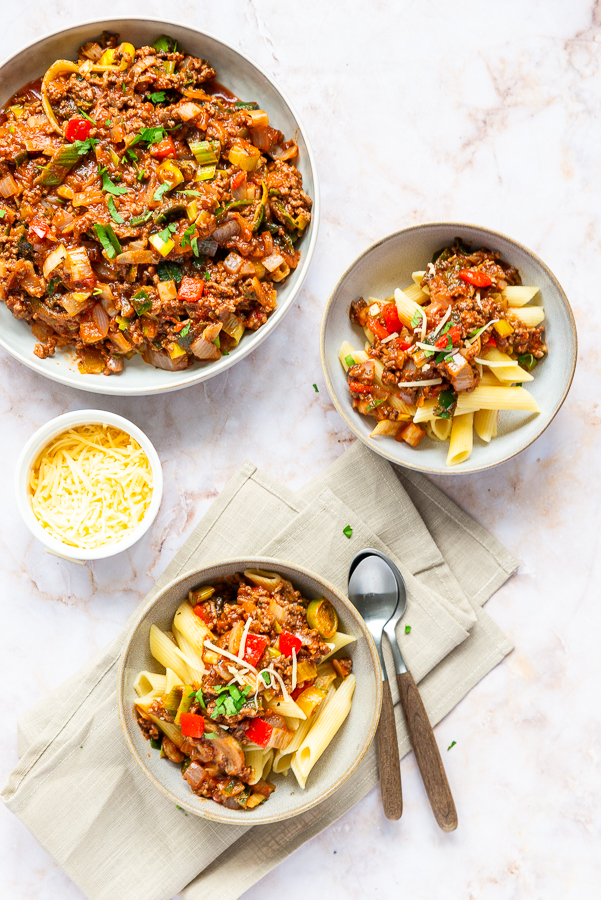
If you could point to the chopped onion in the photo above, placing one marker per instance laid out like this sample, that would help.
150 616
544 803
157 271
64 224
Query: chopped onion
74 302
187 111
120 341
101 319
287 150
8 186
273 262
232 263
53 259
137 257
77 264
162 361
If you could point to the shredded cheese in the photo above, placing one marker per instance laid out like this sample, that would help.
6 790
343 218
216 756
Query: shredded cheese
496 364
293 668
242 646
229 655
442 322
374 309
390 337
278 677
91 486
425 383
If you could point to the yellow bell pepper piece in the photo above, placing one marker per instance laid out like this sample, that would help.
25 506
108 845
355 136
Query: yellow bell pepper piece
192 211
163 247
170 173
175 351
503 327
17 111
108 57
245 157
65 191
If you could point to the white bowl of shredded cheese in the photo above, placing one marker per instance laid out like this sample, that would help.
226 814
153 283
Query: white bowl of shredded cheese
89 484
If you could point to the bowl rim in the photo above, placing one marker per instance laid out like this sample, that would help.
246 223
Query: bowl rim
381 450
41 438
206 811
198 374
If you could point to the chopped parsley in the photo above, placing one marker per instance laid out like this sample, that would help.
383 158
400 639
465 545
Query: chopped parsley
452 744
84 147
149 136
209 735
230 701
266 678
207 276
108 239
86 116
162 189
194 245
201 699
157 97
190 193
347 531
316 389
187 235
407 629
108 123
167 231
52 286
109 185
373 405
113 211
417 318
2 213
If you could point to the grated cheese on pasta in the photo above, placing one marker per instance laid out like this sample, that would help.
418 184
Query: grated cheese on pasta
91 486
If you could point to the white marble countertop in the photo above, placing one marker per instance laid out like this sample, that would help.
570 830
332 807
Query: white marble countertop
483 113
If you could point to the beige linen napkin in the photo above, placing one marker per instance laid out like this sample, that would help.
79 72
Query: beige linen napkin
76 786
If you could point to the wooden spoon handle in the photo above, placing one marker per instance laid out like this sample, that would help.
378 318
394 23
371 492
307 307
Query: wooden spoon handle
388 758
427 753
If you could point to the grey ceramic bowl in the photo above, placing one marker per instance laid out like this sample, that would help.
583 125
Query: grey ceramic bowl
339 760
388 264
247 80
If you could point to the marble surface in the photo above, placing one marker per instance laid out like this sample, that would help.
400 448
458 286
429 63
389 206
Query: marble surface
482 113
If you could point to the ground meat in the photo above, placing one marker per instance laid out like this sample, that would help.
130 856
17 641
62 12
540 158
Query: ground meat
148 728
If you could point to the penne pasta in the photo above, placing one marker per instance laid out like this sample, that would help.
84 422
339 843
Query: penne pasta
439 429
519 295
255 758
417 279
323 730
425 413
338 641
168 655
485 424
149 681
193 658
414 292
529 315
147 699
172 731
506 373
286 708
268 580
462 439
484 397
406 307
283 758
171 680
386 427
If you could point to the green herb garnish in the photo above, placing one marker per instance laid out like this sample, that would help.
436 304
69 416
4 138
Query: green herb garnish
316 389
156 743
86 116
109 185
187 235
149 136
162 189
527 360
142 218
84 147
113 211
165 44
157 97
240 104
452 744
407 629
108 239
347 531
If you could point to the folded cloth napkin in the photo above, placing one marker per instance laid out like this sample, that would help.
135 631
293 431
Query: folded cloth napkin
76 786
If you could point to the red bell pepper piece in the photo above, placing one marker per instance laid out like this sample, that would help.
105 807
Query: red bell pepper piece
190 290
254 648
289 642
40 228
199 611
391 317
164 148
359 388
491 340
77 129
237 180
192 725
401 344
441 343
455 333
475 277
377 328
259 732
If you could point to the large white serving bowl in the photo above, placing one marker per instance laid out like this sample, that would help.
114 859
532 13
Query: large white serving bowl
249 82
388 264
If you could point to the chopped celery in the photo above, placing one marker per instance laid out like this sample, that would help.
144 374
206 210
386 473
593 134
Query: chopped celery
60 164
206 152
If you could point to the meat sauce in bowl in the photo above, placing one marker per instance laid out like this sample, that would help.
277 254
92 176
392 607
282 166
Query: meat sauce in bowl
143 208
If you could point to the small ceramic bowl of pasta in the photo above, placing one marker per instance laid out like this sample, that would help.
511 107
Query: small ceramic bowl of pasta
249 690
448 348
88 484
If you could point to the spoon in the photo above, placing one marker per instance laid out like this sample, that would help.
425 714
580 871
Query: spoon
420 731
374 591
